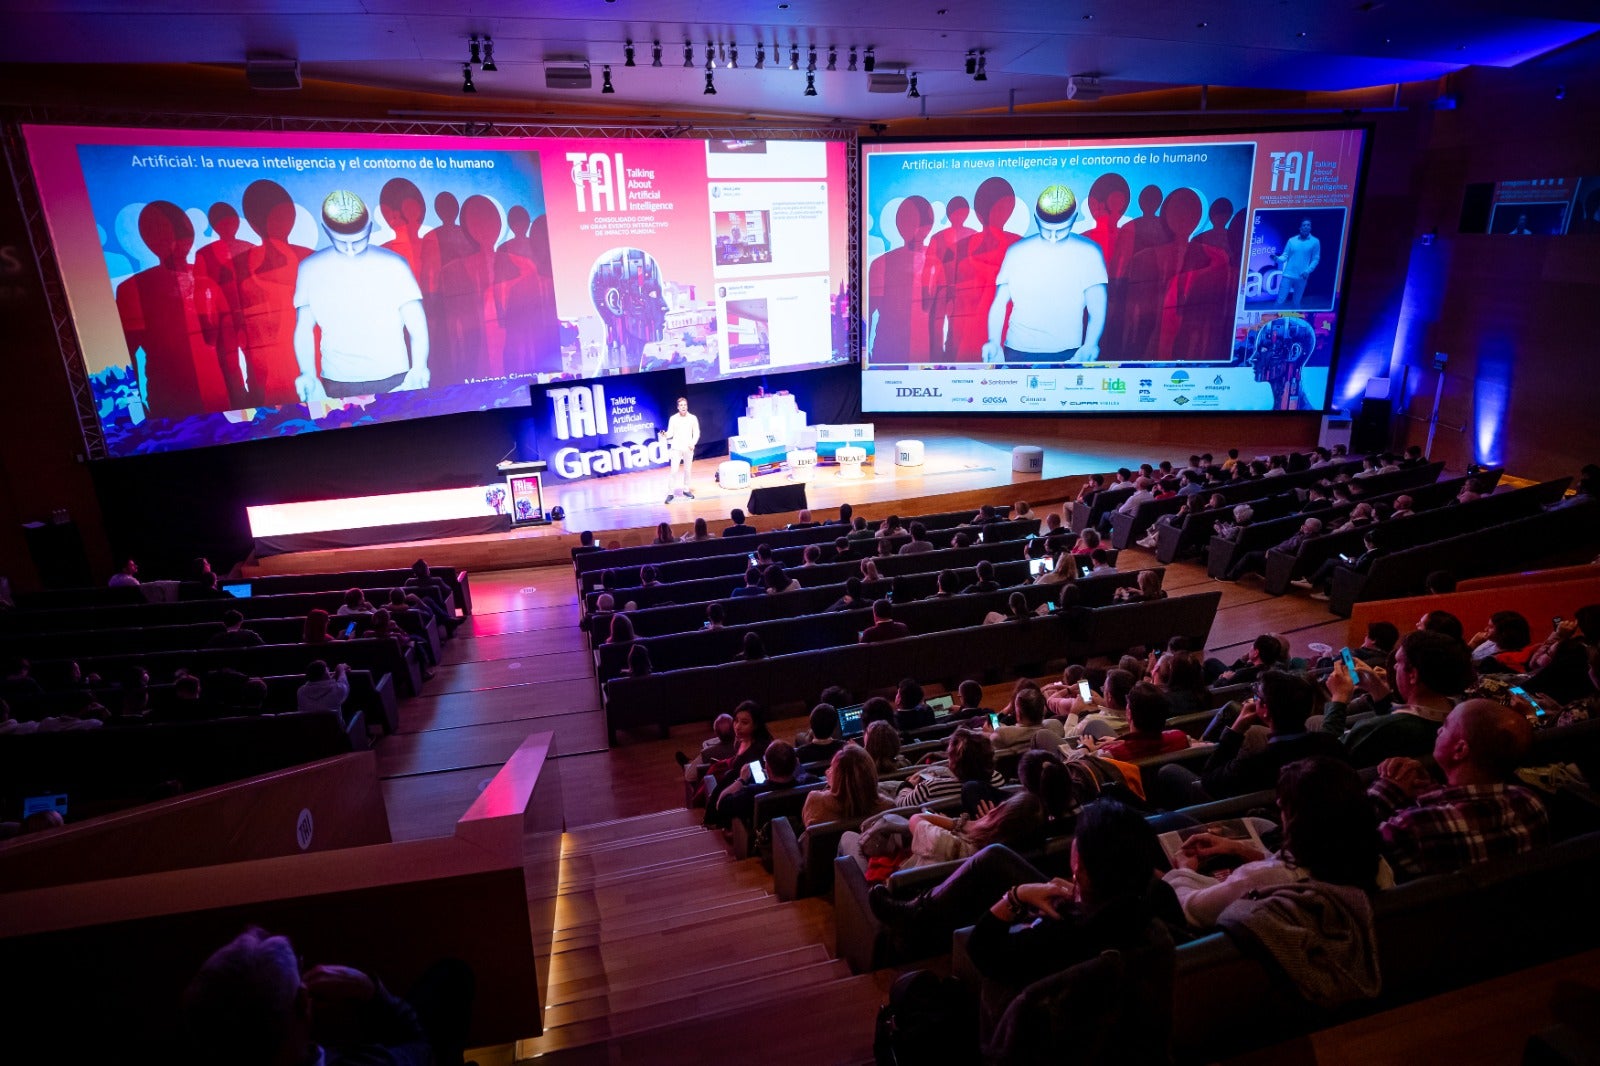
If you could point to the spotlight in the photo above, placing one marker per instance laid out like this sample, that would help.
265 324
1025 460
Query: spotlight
811 60
688 53
972 62
1561 92
914 94
722 55
711 85
711 57
733 57
811 83
761 56
488 56
870 61
474 53
833 58
605 83
466 79
852 58
983 68
655 54
794 57
627 55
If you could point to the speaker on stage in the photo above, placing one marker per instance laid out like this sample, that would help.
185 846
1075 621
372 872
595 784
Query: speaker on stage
776 499
1373 427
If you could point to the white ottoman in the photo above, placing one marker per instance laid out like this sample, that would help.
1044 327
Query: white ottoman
1027 459
733 474
908 453
850 460
802 461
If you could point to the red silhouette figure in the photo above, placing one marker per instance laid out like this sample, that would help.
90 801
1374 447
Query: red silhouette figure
169 316
443 287
477 343
978 262
523 299
266 288
222 262
1207 289
1108 198
404 210
900 289
944 253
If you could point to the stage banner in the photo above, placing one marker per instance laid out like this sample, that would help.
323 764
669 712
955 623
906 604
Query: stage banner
600 426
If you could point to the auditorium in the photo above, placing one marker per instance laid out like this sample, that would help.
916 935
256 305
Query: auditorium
800 531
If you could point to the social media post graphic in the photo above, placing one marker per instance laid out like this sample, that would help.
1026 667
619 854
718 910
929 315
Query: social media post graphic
231 286
1295 256
774 323
765 228
731 160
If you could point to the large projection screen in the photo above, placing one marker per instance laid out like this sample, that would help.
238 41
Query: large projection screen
235 285
1148 274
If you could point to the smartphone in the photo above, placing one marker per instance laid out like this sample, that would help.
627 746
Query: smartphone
752 558
707 624
1555 623
1349 662
1049 606
994 721
758 774
350 630
1538 711
1085 695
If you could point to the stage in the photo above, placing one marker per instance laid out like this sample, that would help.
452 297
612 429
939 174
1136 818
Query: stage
959 471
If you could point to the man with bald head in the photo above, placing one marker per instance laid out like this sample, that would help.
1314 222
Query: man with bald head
1479 814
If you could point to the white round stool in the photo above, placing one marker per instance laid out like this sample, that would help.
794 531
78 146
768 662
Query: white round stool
802 461
1027 459
733 474
908 453
850 460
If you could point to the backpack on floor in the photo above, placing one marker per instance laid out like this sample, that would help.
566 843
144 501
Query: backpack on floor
928 1018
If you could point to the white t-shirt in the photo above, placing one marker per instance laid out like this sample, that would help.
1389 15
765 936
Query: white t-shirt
1047 283
683 432
1301 255
357 300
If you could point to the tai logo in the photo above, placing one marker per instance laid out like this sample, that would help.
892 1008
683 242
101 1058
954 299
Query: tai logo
580 411
602 177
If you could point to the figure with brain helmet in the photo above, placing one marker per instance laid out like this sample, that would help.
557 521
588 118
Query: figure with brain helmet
368 304
1054 284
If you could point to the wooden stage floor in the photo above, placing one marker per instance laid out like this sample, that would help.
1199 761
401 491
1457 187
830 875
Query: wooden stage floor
959 471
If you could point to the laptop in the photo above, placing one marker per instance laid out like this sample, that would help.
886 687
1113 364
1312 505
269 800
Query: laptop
239 591
942 706
32 805
1037 568
850 723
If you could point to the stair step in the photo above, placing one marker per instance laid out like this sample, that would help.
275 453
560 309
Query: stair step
690 832
598 992
621 828
614 922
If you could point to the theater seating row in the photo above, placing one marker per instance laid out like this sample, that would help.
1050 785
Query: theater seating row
811 632
271 584
996 651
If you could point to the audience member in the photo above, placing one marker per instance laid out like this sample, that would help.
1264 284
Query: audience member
985 582
1431 670
1504 645
233 634
699 532
316 628
969 756
824 742
127 576
738 527
1031 721
852 599
754 584
1282 703
852 790
664 534
884 627
1148 711
882 741
919 542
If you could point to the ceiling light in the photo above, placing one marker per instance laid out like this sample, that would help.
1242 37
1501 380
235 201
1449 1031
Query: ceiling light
733 57
913 93
972 62
983 68
852 58
711 57
761 56
466 79
655 54
870 61
474 52
605 82
688 53
833 58
488 55
811 83
794 57
627 54
811 60
711 85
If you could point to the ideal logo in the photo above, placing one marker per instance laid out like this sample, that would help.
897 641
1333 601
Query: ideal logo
1115 385
599 174
918 392
580 411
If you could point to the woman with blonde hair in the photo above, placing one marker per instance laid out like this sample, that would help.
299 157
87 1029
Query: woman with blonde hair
852 790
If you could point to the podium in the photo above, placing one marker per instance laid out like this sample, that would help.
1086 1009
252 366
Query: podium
525 491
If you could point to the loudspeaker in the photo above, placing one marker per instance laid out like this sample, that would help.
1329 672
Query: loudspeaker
1373 427
776 499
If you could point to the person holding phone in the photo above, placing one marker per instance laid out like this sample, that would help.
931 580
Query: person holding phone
323 689
777 769
1431 670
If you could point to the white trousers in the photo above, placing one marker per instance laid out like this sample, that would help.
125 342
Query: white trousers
678 471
